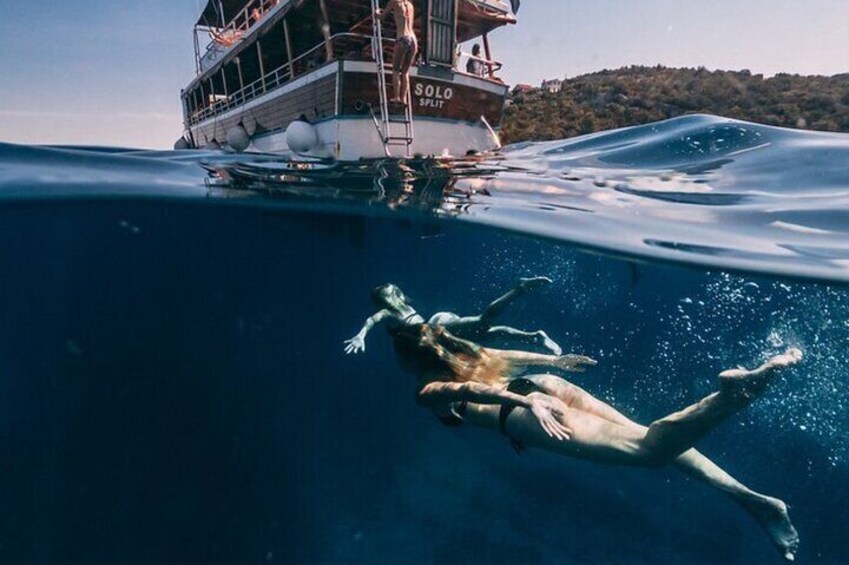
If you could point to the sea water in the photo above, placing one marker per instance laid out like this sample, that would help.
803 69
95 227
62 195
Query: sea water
173 385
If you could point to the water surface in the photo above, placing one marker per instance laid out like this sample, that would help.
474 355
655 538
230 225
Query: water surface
173 387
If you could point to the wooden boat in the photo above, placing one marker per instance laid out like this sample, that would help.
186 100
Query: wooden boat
310 78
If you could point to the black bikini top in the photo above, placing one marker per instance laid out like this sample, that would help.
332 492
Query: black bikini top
454 418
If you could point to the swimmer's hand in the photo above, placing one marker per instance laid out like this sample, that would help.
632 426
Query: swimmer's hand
574 363
547 409
531 283
355 344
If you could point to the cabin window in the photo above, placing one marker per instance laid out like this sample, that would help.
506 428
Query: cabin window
191 103
197 98
273 48
231 77
216 85
204 101
307 40
250 65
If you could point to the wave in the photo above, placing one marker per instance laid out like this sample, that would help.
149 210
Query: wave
698 190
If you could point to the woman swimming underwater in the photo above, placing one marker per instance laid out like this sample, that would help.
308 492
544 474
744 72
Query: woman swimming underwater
395 308
465 383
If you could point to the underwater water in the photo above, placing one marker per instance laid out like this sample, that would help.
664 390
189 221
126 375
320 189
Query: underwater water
174 386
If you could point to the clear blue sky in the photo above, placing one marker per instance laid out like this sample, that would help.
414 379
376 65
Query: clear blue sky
109 72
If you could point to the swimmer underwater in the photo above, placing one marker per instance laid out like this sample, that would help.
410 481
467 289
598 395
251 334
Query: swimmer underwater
464 383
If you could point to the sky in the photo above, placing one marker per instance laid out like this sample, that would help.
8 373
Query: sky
109 72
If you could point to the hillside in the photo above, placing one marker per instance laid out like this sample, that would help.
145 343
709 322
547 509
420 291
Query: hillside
638 95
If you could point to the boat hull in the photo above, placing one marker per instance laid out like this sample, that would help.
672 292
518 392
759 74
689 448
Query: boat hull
452 113
351 138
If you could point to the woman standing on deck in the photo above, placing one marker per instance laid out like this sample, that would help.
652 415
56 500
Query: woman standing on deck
406 46
464 383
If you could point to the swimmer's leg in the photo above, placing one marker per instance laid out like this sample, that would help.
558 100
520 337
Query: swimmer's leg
771 513
671 436
473 326
579 399
397 63
538 337
443 319
499 304
407 59
467 326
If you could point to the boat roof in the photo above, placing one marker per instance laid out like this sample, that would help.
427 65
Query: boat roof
475 18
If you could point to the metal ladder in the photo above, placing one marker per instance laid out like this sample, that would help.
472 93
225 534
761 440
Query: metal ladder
388 137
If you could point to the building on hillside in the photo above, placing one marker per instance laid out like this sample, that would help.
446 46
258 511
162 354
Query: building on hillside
553 85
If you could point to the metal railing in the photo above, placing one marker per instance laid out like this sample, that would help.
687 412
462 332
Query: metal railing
488 66
278 77
290 70
253 12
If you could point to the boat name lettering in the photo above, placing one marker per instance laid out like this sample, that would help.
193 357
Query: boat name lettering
431 96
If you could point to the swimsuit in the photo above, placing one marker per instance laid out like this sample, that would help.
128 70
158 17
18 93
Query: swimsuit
522 387
409 42
406 321
454 418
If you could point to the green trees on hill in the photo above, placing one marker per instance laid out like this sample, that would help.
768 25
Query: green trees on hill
639 95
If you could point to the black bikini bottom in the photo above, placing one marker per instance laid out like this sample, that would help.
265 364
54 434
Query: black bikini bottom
522 387
409 42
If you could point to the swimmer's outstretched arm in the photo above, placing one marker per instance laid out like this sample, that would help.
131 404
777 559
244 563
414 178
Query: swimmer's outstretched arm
544 407
358 342
571 362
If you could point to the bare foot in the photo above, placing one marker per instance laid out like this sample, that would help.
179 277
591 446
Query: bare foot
772 515
530 283
752 383
549 343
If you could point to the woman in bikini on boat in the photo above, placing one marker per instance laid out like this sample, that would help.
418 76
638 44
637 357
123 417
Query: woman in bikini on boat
465 383
406 46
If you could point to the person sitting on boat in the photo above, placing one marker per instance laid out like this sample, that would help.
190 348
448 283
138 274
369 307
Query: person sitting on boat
226 37
463 383
395 308
256 15
475 65
406 47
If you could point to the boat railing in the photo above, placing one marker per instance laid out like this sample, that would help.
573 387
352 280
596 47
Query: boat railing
347 45
285 73
488 66
222 38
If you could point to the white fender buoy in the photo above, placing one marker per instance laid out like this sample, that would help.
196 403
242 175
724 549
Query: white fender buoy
181 144
301 136
238 138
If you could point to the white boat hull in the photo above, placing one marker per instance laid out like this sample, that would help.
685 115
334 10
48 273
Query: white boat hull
355 138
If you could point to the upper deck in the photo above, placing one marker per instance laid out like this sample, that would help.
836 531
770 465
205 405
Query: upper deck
225 27
260 45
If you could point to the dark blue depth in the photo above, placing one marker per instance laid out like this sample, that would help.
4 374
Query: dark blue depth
173 390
